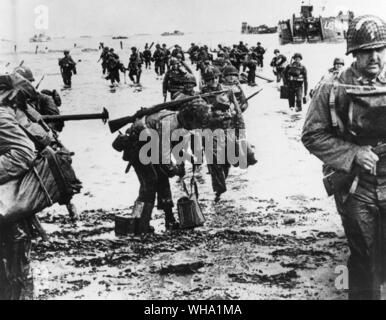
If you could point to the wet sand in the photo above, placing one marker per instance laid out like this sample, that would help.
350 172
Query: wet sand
274 234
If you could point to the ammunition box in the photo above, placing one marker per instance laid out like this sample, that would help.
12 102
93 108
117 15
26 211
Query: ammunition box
125 225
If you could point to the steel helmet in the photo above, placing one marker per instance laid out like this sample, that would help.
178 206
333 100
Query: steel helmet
338 61
174 61
189 79
230 71
366 32
276 51
297 55
25 72
211 73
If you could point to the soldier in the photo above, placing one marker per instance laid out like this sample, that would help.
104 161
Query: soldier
154 177
104 57
218 171
220 62
260 51
211 79
167 55
189 82
47 102
17 153
174 79
295 77
159 60
114 65
343 127
252 63
67 68
331 74
135 66
147 57
178 51
278 64
234 57
193 53
230 81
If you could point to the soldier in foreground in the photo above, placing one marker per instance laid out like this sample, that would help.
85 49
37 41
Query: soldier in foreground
154 177
17 152
345 128
295 77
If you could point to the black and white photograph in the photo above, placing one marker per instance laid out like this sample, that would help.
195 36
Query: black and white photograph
218 151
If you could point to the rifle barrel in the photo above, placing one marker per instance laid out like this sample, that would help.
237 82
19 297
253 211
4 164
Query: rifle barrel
117 124
77 117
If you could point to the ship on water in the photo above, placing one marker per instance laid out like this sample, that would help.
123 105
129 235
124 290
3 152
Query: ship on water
262 29
40 38
175 33
307 28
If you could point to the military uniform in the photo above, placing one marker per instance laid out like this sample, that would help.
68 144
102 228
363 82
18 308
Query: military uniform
173 82
159 61
135 67
278 64
114 66
344 117
17 152
67 68
295 77
260 51
147 57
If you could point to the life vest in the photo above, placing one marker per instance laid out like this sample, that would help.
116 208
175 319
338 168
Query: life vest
295 73
176 81
367 112
31 122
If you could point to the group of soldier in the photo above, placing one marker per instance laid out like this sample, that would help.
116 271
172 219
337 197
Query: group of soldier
344 128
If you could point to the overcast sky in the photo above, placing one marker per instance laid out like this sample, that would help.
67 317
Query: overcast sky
126 17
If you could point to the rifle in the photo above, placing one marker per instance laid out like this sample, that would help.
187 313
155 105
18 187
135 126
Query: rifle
76 117
151 46
264 78
117 124
41 80
339 180
255 94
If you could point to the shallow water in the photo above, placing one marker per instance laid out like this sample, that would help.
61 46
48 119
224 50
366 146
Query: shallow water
275 234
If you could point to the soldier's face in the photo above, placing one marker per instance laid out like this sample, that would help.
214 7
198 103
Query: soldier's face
213 82
231 78
370 62
338 66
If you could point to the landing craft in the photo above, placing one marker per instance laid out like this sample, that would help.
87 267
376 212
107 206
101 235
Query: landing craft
262 29
308 28
40 38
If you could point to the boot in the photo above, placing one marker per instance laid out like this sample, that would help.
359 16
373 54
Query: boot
170 221
251 159
143 210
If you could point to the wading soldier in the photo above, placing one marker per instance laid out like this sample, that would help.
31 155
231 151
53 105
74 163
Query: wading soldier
345 128
67 68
